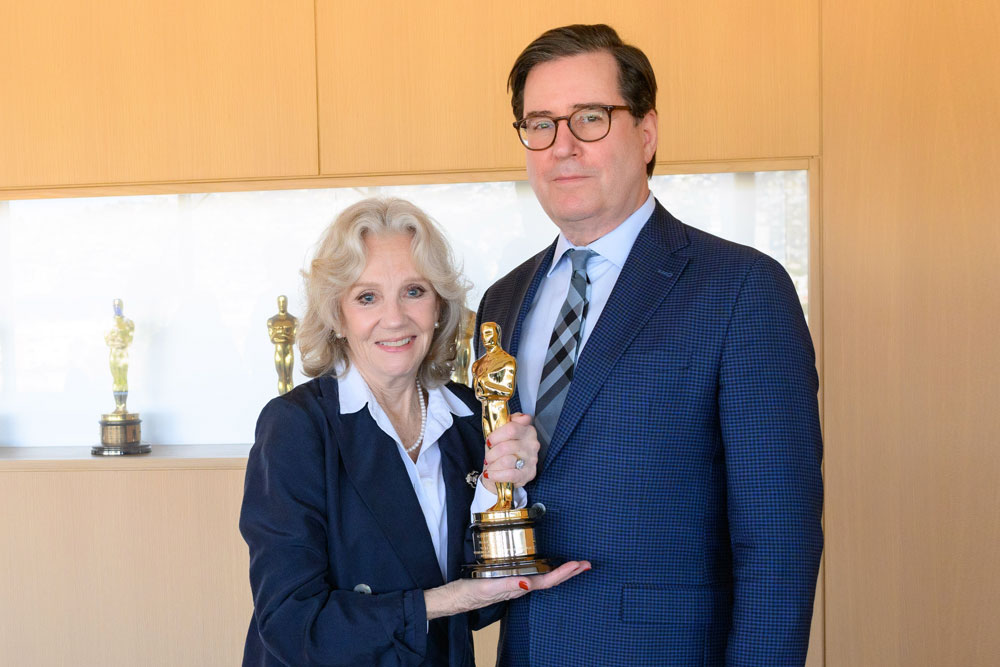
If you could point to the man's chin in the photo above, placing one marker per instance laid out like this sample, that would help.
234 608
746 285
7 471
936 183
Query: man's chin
573 215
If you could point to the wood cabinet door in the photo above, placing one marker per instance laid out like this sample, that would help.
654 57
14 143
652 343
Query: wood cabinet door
123 91
421 87
150 547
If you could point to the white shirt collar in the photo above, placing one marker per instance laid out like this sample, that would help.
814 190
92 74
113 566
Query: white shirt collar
616 244
441 405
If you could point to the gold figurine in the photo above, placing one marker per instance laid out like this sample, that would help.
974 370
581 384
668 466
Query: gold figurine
118 339
282 329
463 349
493 377
120 430
503 537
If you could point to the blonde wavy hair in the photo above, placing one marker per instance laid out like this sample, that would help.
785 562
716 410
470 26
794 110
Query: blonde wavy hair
339 261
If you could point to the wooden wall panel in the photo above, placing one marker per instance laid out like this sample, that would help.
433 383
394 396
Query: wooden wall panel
125 91
420 87
911 101
123 567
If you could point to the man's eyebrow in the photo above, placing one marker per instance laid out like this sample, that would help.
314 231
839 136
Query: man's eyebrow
575 107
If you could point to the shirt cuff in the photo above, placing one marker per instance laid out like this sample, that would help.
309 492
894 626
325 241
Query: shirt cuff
484 499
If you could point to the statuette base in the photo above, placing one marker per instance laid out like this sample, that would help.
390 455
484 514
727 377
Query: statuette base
504 545
120 435
514 569
102 450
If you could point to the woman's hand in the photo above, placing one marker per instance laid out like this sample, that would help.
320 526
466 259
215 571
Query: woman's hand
516 440
465 595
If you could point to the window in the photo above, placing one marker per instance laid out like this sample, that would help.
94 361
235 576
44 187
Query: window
200 274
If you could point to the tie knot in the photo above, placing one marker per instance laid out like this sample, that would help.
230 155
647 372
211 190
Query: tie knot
579 257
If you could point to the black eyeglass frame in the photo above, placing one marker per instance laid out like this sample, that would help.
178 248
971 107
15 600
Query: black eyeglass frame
610 108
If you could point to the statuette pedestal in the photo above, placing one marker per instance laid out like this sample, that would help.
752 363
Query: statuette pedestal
504 545
120 434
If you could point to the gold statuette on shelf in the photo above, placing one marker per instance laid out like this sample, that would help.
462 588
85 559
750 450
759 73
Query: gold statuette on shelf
463 349
282 329
503 537
120 430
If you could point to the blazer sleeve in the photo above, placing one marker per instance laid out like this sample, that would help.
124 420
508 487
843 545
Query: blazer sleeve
301 618
773 450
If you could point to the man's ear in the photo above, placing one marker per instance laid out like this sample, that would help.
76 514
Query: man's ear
649 127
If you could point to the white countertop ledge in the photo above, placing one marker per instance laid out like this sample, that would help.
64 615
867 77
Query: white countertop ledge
163 457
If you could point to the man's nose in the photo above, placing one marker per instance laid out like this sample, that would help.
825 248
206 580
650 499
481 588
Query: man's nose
566 143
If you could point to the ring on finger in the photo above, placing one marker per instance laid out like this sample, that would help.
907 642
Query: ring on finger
519 464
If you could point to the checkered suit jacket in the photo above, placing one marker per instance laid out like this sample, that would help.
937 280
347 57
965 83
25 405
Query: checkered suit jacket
685 465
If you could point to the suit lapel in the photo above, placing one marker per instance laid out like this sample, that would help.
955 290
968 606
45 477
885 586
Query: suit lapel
374 467
647 276
458 498
525 295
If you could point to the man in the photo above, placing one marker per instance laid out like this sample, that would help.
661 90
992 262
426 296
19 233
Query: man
671 377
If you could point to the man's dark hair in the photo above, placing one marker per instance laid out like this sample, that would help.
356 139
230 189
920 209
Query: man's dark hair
636 81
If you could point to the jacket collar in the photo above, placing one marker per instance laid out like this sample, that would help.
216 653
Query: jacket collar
614 246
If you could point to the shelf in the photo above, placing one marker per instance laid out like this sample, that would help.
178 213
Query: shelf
163 457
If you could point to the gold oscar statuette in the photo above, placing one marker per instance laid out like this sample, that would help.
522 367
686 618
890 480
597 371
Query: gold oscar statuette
282 329
503 537
120 432
463 349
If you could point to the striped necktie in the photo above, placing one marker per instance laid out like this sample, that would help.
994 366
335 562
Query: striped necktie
564 347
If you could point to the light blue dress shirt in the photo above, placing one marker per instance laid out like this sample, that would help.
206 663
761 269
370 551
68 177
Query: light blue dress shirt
603 269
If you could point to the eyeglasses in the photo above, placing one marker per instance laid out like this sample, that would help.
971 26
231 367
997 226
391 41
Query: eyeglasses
587 124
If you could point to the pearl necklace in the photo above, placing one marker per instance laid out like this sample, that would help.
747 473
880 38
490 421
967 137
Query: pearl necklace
423 419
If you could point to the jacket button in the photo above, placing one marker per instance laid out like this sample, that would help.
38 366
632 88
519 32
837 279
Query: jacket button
364 589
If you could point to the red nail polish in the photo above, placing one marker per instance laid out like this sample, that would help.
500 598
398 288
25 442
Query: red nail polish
486 475
586 569
523 585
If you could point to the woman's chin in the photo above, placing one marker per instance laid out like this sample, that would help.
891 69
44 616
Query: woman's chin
392 369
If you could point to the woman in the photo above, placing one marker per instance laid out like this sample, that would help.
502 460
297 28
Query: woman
356 505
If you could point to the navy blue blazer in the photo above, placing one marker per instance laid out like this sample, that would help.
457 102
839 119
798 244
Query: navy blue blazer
685 465
328 506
